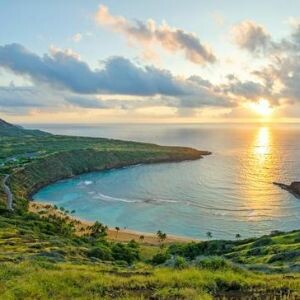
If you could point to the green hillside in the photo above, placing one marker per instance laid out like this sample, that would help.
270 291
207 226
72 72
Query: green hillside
7 129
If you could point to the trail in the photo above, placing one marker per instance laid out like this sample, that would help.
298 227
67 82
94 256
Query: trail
8 193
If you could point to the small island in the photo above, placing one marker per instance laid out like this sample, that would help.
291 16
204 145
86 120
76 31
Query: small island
293 188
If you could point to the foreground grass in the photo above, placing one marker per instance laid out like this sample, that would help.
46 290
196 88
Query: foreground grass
45 280
42 259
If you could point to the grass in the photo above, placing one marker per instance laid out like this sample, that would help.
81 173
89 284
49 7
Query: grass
277 252
39 260
44 280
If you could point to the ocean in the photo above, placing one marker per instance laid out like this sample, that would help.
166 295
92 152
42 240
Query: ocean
226 193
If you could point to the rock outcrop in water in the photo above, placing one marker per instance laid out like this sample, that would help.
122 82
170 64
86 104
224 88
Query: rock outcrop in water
293 188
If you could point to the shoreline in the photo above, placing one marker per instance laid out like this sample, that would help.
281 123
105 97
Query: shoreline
117 167
123 235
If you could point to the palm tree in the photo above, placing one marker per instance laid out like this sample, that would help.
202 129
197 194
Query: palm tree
161 236
237 236
209 234
117 230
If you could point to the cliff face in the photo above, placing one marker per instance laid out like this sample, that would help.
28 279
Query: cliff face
28 179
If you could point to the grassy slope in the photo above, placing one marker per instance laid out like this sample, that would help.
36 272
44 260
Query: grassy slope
7 129
33 248
277 252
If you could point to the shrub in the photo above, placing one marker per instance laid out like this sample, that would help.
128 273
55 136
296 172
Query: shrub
128 253
265 241
180 262
101 252
284 256
160 258
213 263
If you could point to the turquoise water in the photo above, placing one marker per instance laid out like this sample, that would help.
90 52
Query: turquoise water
226 193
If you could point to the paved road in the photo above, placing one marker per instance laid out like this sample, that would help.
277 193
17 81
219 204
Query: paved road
8 193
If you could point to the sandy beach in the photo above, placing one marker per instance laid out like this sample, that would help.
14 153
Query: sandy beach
123 235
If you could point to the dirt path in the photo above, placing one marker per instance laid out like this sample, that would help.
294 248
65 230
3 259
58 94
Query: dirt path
7 191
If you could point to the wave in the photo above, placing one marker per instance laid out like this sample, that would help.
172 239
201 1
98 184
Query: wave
218 211
111 198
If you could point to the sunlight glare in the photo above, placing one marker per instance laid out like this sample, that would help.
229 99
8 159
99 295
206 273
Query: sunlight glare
262 107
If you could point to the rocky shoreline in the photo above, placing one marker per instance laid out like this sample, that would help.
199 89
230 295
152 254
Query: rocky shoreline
293 188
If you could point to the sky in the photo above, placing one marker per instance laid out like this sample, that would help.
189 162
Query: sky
149 61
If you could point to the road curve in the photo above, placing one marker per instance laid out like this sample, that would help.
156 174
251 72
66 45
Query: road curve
8 193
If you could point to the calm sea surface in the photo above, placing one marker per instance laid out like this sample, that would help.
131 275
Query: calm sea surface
226 193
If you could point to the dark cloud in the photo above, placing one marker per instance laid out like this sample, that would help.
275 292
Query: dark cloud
118 76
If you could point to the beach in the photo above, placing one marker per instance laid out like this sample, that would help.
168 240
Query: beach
122 235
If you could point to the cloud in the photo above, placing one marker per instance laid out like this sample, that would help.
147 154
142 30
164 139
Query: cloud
77 37
74 83
64 70
247 89
147 34
250 36
86 102
218 18
19 97
280 76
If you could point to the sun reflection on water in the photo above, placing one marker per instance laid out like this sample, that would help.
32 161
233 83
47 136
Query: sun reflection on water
259 169
262 144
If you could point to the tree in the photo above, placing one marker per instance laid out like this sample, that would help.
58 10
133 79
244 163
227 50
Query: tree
209 234
237 236
98 230
117 231
161 236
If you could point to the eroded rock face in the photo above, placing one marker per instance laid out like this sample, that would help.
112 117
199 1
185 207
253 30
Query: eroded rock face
293 188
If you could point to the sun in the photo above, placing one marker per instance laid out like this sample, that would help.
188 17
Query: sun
262 107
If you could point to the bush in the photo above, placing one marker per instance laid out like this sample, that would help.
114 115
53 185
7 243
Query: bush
180 262
128 253
285 256
265 241
213 263
160 258
101 252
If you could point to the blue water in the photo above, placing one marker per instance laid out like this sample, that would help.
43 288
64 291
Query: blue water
226 193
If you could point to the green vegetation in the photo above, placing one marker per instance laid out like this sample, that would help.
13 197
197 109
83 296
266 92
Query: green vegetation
41 257
278 252
7 129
